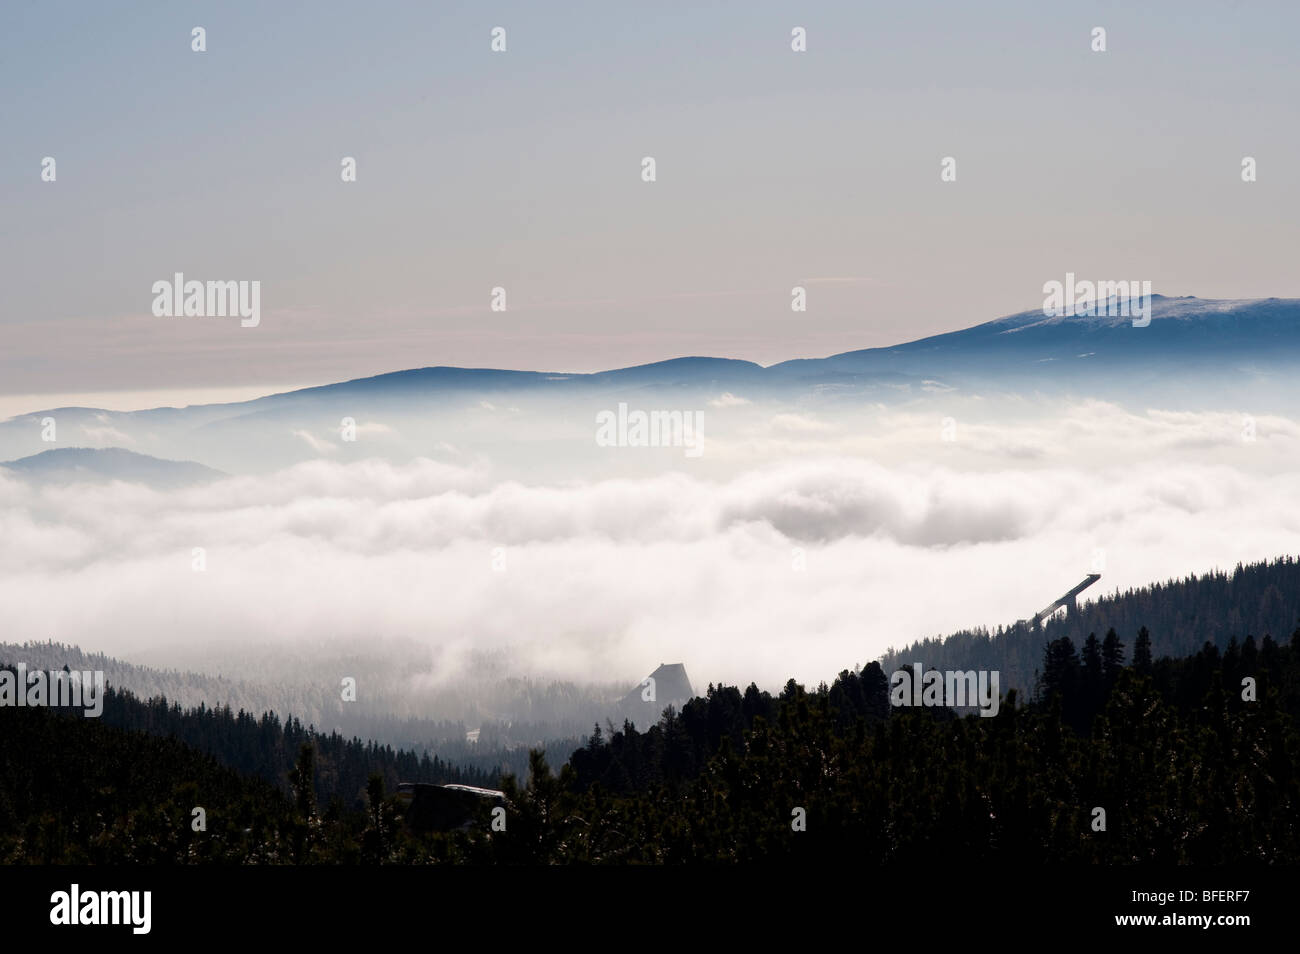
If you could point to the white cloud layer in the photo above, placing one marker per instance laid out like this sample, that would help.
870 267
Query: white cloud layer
902 536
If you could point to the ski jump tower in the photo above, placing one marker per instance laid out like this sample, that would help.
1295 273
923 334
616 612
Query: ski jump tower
1070 601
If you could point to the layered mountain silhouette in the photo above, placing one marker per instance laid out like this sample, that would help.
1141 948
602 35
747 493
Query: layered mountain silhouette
1193 353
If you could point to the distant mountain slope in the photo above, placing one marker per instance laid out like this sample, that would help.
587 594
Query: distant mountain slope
77 464
1213 330
505 712
188 689
1201 332
1194 353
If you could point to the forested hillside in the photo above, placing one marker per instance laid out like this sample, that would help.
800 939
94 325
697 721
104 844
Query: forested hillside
1187 764
312 698
1181 616
1184 769
76 790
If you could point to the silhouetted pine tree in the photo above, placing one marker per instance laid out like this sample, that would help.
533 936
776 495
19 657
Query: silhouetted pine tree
1112 657
1142 652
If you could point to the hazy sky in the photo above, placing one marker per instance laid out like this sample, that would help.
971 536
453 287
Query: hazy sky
522 169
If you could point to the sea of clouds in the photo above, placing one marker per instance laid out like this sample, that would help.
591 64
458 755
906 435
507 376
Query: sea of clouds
815 542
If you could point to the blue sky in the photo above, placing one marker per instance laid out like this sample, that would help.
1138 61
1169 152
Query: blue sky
521 170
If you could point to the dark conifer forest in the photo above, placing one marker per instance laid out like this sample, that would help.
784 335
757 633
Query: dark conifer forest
1180 617
1189 759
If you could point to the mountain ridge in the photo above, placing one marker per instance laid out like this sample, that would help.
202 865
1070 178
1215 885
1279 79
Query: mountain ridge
1196 354
1221 319
70 464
